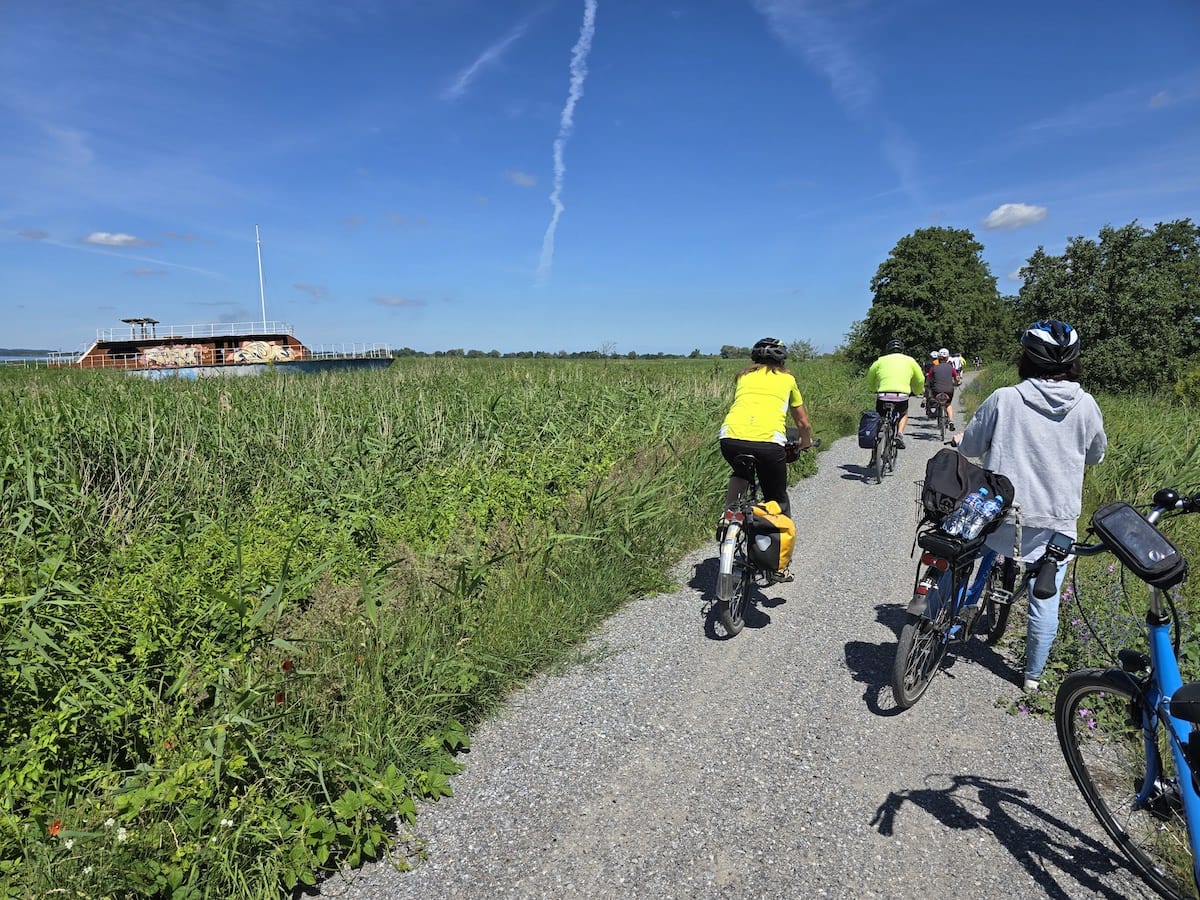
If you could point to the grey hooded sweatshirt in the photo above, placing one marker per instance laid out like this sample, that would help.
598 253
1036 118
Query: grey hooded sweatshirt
1040 434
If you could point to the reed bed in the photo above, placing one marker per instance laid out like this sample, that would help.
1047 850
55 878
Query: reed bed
245 621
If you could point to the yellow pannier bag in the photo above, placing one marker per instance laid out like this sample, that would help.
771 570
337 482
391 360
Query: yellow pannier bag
770 537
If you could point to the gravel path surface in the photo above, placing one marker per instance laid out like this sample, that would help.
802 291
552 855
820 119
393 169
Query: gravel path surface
672 765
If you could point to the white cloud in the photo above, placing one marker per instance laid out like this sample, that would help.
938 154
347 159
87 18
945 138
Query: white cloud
396 302
108 239
1014 275
490 56
1159 100
566 122
520 179
1014 215
316 291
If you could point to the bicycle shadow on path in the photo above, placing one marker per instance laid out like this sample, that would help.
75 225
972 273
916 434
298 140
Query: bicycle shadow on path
871 663
704 581
1039 841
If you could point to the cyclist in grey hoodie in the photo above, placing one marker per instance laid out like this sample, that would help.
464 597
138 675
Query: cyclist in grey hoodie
1040 433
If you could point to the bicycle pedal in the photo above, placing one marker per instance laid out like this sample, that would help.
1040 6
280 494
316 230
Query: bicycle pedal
1000 595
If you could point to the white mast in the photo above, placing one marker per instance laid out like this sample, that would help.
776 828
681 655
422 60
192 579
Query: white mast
262 294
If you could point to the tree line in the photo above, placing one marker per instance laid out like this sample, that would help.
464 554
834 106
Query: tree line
1133 294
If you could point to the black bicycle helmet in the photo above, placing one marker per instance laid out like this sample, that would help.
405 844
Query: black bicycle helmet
768 350
1051 344
894 346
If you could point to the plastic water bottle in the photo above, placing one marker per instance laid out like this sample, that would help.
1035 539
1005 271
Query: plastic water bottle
988 510
971 508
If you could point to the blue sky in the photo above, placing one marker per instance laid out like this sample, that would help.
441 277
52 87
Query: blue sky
636 175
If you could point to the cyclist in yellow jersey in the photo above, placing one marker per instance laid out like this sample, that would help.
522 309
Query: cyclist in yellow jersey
757 423
892 378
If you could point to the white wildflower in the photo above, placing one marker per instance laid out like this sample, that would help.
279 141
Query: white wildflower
69 843
122 835
110 822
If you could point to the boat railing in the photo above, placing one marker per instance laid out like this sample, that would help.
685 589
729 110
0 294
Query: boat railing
220 357
209 330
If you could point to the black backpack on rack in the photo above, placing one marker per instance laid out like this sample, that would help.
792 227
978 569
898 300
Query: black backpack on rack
950 477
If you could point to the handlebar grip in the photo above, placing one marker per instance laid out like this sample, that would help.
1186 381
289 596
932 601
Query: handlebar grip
1043 587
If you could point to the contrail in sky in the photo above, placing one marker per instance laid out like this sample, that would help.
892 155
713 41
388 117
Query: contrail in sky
579 71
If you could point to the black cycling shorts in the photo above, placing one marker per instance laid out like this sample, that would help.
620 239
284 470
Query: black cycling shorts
901 406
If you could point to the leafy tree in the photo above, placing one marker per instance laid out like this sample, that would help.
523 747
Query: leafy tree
1134 296
695 354
802 349
934 290
729 351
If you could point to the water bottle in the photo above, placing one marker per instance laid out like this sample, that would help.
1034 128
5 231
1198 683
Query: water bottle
988 510
970 508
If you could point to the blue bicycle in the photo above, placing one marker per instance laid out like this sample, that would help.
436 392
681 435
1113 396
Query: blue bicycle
1128 733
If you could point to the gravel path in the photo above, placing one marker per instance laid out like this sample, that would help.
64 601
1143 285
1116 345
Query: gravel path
672 765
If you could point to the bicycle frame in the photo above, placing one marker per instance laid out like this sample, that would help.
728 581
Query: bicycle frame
1152 694
1165 680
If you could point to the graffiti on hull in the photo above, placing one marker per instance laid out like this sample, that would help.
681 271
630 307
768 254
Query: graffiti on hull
172 356
262 351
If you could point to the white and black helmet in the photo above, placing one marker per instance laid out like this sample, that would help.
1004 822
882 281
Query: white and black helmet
1051 344
768 350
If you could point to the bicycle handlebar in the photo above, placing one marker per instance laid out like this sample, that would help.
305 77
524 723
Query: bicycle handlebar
1165 500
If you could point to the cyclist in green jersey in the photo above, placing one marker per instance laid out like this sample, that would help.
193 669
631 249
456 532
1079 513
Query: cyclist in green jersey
892 378
756 424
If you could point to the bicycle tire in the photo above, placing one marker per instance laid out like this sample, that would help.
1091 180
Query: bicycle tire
922 645
1098 720
942 421
734 577
995 613
879 460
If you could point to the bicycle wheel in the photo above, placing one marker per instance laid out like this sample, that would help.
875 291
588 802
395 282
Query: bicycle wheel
734 578
923 642
942 420
882 445
998 599
1098 716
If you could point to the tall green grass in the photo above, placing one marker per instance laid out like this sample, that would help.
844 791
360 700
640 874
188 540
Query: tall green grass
243 621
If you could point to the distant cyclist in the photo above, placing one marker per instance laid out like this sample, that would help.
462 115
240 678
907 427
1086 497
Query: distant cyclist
756 424
941 379
893 377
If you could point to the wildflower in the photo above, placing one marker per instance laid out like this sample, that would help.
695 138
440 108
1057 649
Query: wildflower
122 835
279 697
69 843
227 823
110 822
287 666
168 744
55 828
87 870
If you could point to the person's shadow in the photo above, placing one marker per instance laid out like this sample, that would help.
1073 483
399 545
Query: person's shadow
1041 847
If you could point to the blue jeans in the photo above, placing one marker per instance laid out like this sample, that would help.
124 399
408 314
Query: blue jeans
1043 627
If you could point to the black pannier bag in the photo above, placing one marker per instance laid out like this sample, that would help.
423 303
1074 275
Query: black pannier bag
1140 547
868 429
950 477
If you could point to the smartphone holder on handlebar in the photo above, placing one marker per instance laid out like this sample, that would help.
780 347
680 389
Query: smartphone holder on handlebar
1140 547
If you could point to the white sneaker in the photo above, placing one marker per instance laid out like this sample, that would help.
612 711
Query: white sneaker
1031 685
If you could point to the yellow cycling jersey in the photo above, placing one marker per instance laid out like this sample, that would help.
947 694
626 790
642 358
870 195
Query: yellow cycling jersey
760 406
896 373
